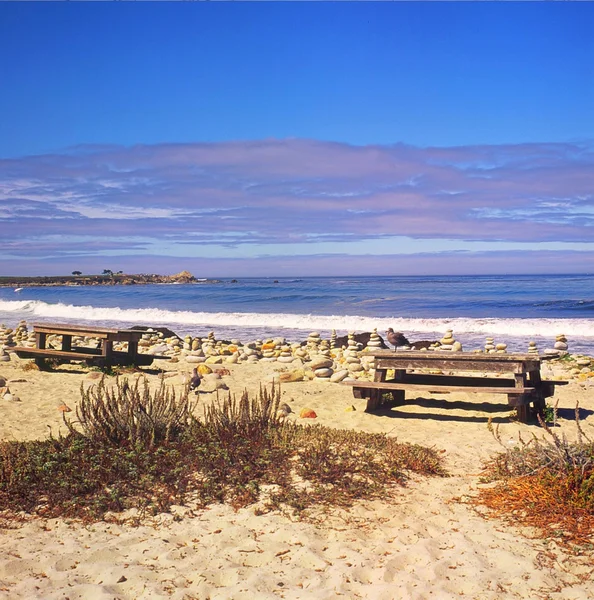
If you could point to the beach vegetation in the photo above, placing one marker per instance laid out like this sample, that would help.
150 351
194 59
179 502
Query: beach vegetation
546 482
136 447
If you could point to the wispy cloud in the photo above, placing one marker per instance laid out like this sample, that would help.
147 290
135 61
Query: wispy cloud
172 199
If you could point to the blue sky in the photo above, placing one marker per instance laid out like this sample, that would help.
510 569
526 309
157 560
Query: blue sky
296 138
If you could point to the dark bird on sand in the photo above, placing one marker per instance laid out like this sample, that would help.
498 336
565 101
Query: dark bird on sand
195 379
396 338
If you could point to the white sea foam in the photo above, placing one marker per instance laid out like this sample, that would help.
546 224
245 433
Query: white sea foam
31 309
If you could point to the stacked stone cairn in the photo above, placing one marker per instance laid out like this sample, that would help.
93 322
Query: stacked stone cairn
6 336
322 364
490 345
333 339
208 345
561 344
21 333
532 349
375 342
501 348
313 341
299 352
324 349
269 353
351 356
449 343
195 355
285 354
251 353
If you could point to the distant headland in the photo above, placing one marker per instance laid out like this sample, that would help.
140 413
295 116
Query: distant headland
106 278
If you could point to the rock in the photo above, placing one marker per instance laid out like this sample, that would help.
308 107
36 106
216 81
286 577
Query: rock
195 359
320 362
323 373
158 349
292 376
359 338
204 369
166 333
339 376
307 413
214 360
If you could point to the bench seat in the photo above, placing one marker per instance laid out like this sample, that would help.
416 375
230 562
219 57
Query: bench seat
91 355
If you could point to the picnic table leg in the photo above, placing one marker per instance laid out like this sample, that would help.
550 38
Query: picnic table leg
375 396
66 342
539 399
523 411
107 353
133 351
40 340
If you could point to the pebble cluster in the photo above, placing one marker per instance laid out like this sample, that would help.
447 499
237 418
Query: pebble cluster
316 358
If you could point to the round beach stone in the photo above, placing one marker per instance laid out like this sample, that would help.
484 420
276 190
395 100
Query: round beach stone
214 360
321 362
285 359
339 376
323 372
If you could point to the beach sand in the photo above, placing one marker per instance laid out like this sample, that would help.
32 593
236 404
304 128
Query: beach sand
425 541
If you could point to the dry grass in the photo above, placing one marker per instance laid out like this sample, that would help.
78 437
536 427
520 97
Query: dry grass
142 449
546 483
131 414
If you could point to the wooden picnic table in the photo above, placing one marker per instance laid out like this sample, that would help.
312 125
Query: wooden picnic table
103 355
522 386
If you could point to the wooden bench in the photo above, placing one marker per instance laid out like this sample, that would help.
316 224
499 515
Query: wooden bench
104 355
525 385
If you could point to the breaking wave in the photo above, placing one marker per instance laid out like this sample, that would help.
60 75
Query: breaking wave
500 327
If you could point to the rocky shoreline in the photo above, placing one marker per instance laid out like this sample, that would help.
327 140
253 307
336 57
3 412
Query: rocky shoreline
336 360
105 279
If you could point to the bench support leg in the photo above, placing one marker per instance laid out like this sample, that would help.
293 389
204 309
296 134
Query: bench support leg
523 411
374 401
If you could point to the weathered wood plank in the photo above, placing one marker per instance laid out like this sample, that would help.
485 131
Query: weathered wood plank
452 362
458 356
23 352
87 331
390 385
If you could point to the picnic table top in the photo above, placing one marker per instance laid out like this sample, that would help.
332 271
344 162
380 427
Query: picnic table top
443 355
59 328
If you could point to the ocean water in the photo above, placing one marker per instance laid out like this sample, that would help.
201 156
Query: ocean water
512 309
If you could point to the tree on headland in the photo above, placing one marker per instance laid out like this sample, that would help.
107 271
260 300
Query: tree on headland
76 273
108 272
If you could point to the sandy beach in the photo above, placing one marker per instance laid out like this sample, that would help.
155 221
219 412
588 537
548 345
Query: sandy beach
424 541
